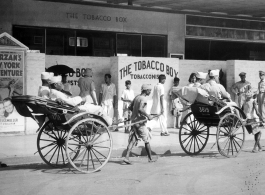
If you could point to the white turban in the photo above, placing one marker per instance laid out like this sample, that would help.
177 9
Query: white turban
201 75
214 72
46 75
56 79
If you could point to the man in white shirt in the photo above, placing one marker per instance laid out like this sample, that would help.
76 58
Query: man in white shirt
158 106
108 96
44 90
57 95
127 98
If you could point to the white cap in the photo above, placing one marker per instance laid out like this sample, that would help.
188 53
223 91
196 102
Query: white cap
201 75
56 79
46 75
214 72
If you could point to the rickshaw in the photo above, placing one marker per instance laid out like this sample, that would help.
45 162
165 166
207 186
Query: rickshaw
229 120
66 135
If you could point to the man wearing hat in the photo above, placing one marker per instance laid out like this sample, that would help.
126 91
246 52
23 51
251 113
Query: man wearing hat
261 94
214 88
56 94
200 78
140 131
44 90
87 87
240 88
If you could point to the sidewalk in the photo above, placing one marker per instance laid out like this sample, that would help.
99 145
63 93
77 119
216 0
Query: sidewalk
20 149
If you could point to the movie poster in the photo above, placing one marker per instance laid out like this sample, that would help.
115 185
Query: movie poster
11 84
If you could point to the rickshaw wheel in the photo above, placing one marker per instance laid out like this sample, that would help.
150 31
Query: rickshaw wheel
51 145
230 135
193 135
93 143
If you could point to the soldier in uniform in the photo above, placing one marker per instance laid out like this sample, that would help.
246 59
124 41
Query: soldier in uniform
261 94
240 88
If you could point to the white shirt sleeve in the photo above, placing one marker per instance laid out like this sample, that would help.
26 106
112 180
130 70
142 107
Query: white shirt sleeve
69 100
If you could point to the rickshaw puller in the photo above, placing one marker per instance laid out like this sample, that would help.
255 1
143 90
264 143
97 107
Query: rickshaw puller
140 130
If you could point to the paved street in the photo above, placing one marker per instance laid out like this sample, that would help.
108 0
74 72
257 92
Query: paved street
208 173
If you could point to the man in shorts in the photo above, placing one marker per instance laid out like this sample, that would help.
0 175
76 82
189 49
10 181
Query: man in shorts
140 130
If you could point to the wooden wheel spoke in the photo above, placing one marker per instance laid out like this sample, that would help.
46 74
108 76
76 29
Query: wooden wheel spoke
101 147
58 155
201 136
83 158
92 160
186 138
200 140
237 143
235 146
45 132
49 150
87 160
191 143
99 153
238 138
53 154
186 128
197 144
82 134
48 145
96 157
77 140
101 142
48 140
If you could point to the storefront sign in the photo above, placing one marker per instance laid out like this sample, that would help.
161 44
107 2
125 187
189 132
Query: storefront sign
135 70
106 18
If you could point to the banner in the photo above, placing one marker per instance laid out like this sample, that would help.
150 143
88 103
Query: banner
11 84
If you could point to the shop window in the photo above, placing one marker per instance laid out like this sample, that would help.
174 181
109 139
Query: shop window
34 38
153 46
129 44
80 41
58 42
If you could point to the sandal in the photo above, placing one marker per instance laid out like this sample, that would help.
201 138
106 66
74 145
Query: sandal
255 151
152 160
127 162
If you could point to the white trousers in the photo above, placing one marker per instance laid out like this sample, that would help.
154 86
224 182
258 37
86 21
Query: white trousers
163 123
108 109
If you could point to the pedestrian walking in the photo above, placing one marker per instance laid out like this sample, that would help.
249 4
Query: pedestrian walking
108 96
240 88
87 87
158 106
250 108
140 131
261 94
176 105
127 98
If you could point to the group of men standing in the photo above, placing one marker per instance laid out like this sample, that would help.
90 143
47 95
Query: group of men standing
241 88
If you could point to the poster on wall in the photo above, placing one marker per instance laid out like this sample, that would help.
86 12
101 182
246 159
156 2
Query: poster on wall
11 84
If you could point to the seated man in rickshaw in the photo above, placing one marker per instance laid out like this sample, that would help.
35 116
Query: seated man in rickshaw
61 98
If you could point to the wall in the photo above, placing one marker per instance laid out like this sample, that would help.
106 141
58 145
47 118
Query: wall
99 65
35 65
142 70
62 15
